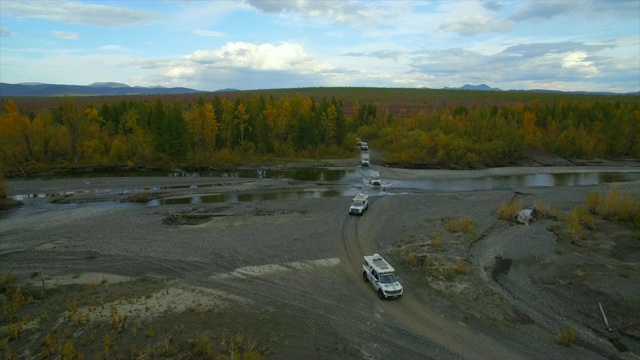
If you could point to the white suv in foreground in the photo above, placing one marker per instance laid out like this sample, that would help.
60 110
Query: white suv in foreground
377 271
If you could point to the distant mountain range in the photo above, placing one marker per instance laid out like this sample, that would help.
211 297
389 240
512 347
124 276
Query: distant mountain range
119 89
485 87
481 87
95 89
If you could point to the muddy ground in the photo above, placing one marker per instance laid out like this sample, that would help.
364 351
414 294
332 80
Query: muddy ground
92 273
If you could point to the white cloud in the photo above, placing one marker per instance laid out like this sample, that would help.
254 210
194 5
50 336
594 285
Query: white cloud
544 9
145 64
473 25
208 33
286 56
578 60
111 47
65 35
76 12
549 9
339 12
250 44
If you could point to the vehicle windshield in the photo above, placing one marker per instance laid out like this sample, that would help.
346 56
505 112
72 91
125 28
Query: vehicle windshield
356 203
388 278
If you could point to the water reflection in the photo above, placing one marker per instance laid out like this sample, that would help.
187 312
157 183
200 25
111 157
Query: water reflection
306 174
516 181
248 197
349 176
303 174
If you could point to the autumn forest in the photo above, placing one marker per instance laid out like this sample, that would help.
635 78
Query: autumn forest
411 128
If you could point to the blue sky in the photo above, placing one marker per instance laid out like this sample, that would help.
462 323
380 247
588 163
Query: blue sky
571 45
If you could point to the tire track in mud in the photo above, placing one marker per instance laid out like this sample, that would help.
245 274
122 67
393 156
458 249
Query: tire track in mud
323 300
518 291
444 338
328 315
352 247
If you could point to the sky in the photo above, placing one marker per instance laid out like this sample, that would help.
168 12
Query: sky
570 45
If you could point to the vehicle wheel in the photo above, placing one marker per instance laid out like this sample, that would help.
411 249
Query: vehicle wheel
380 295
364 277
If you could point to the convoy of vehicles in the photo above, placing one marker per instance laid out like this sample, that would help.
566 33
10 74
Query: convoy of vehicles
375 269
381 275
359 204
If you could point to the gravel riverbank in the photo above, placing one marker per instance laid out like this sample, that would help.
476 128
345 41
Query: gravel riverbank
282 278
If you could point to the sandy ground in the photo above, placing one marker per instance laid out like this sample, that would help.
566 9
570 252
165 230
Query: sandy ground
283 278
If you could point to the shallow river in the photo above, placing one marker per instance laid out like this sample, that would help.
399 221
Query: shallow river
348 182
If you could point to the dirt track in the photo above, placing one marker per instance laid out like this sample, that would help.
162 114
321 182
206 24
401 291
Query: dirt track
288 272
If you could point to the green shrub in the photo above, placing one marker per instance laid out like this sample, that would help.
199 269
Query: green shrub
464 225
412 258
13 302
9 279
14 330
436 241
462 267
202 346
566 336
143 197
69 351
49 346
508 212
615 206
578 219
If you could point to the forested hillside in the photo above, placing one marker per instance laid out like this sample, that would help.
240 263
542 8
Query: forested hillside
413 128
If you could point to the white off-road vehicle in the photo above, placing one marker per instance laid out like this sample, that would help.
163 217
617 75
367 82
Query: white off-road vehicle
364 160
381 275
359 204
374 178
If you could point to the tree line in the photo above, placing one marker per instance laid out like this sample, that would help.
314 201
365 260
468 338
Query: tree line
259 126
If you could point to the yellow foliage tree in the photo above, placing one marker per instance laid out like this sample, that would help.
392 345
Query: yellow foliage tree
203 128
16 135
532 134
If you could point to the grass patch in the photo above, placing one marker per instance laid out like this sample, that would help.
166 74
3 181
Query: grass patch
544 211
202 346
143 197
13 302
464 225
566 336
436 241
462 267
239 347
578 220
49 346
8 280
79 336
508 212
69 351
615 206
412 259
14 330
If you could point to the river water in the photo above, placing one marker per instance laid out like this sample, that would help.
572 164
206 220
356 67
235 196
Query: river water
348 182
